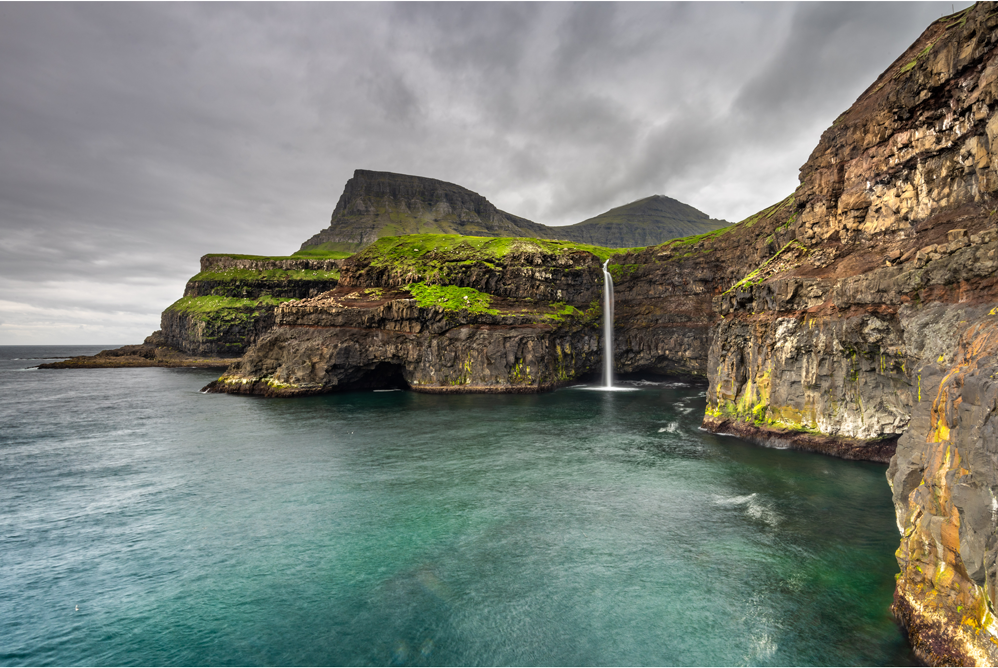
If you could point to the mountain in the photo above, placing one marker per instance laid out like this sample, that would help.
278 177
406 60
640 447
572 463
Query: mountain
382 204
646 222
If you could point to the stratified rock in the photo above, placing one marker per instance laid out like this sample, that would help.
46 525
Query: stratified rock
231 302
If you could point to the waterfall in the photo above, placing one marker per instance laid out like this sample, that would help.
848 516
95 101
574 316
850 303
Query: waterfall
607 327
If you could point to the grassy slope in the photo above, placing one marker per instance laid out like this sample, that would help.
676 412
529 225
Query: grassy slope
424 252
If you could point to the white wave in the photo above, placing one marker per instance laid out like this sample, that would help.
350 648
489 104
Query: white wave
656 383
762 647
755 508
670 428
394 390
603 388
734 500
717 433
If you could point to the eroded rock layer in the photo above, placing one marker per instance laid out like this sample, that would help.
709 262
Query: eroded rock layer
231 302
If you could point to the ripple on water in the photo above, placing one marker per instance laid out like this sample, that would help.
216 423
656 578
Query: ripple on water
147 523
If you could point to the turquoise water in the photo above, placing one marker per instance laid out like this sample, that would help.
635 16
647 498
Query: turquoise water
145 523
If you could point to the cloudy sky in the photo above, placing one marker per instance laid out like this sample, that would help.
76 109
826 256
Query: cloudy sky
135 138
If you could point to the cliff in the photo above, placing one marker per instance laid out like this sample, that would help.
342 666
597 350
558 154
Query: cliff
383 204
871 332
230 303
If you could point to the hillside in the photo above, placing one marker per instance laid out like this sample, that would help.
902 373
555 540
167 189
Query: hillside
646 222
382 204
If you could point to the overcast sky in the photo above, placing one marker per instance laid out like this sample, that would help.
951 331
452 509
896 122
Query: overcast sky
135 138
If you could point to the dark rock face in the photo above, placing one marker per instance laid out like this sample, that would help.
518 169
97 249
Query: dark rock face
231 302
540 332
341 340
153 352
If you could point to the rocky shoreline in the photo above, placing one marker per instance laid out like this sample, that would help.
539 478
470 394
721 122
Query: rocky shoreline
141 355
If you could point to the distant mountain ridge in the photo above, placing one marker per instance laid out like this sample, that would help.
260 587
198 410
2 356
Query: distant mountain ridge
382 204
645 222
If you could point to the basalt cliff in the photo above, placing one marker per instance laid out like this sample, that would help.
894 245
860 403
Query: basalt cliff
857 317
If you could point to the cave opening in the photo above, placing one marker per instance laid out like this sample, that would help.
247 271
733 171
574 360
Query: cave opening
381 376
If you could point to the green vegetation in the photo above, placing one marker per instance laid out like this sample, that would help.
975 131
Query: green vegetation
618 270
675 244
211 306
309 254
562 311
651 220
959 19
911 65
233 275
451 298
429 257
758 275
771 211
327 251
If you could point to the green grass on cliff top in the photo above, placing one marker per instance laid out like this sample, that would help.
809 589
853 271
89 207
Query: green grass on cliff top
210 305
233 275
451 298
411 248
307 254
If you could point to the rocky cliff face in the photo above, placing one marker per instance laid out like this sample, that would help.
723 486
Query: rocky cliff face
872 330
231 302
437 314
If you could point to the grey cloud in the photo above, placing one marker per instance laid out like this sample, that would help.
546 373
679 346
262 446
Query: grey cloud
136 137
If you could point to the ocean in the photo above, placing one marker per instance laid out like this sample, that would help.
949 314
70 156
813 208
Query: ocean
145 523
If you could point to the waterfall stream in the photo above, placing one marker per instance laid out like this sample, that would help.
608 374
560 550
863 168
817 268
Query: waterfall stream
607 327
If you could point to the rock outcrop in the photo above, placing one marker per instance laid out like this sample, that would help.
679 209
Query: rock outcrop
153 352
436 313
231 302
